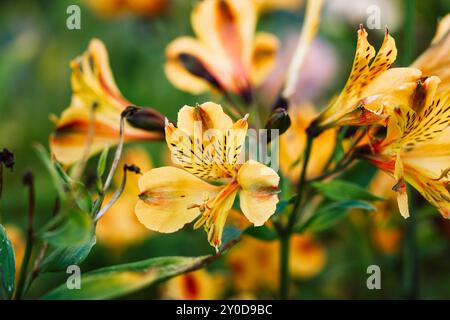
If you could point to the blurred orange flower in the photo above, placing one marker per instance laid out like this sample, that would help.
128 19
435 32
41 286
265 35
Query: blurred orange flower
226 55
136 7
254 264
119 227
196 285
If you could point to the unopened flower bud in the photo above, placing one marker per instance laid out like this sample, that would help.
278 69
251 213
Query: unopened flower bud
279 119
146 119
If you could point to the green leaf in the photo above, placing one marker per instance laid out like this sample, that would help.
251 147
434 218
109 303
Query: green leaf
7 265
329 215
82 196
342 190
61 258
115 281
55 173
262 233
101 165
75 229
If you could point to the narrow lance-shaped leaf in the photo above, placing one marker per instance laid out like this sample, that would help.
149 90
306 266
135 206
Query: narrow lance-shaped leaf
75 229
7 265
338 190
119 280
329 215
60 258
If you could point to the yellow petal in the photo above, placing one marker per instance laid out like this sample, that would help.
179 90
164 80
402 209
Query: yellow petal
210 115
435 60
220 208
259 189
193 67
227 27
400 188
226 24
167 197
263 57
435 191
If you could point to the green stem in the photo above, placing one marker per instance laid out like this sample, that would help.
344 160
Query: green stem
284 266
301 185
286 233
28 181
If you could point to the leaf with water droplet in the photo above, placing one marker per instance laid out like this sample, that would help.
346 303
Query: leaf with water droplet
7 266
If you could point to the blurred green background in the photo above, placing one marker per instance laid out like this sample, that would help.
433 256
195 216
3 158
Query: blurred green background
35 50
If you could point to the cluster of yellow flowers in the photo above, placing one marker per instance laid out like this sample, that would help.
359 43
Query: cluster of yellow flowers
227 57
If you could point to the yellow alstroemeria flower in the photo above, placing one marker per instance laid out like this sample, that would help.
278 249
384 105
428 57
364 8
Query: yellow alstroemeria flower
293 141
196 285
95 107
416 148
372 89
208 146
119 227
227 55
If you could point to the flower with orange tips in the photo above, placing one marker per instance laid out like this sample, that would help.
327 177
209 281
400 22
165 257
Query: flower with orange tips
208 145
416 148
92 121
196 285
372 89
226 55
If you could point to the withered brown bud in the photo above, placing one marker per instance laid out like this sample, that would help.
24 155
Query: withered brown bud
7 158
